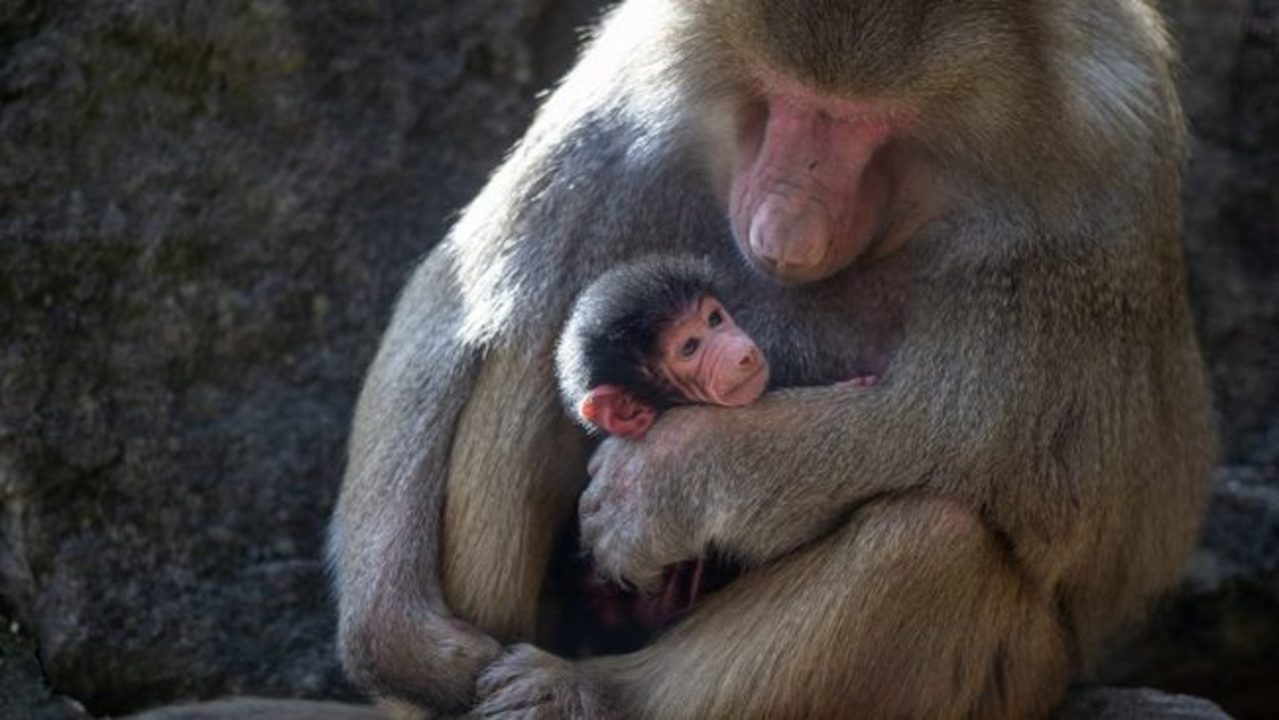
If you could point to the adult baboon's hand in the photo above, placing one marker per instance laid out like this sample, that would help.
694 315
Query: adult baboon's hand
642 510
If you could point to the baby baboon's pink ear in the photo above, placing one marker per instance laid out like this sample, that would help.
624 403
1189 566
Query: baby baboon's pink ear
616 412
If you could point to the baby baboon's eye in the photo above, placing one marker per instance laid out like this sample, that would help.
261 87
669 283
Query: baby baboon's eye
689 347
714 319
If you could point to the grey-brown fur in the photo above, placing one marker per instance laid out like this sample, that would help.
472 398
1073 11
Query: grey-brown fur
956 541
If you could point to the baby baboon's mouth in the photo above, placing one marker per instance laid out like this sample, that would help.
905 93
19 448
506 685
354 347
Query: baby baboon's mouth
733 396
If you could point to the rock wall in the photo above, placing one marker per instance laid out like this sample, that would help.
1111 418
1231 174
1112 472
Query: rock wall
206 211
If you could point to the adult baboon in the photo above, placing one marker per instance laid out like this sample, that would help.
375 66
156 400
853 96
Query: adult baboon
976 201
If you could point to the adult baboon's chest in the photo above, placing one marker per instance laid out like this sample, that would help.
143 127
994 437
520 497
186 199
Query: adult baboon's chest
848 326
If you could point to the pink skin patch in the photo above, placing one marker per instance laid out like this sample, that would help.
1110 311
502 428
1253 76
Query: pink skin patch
681 586
811 192
612 608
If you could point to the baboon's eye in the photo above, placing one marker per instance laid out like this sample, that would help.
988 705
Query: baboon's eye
689 347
